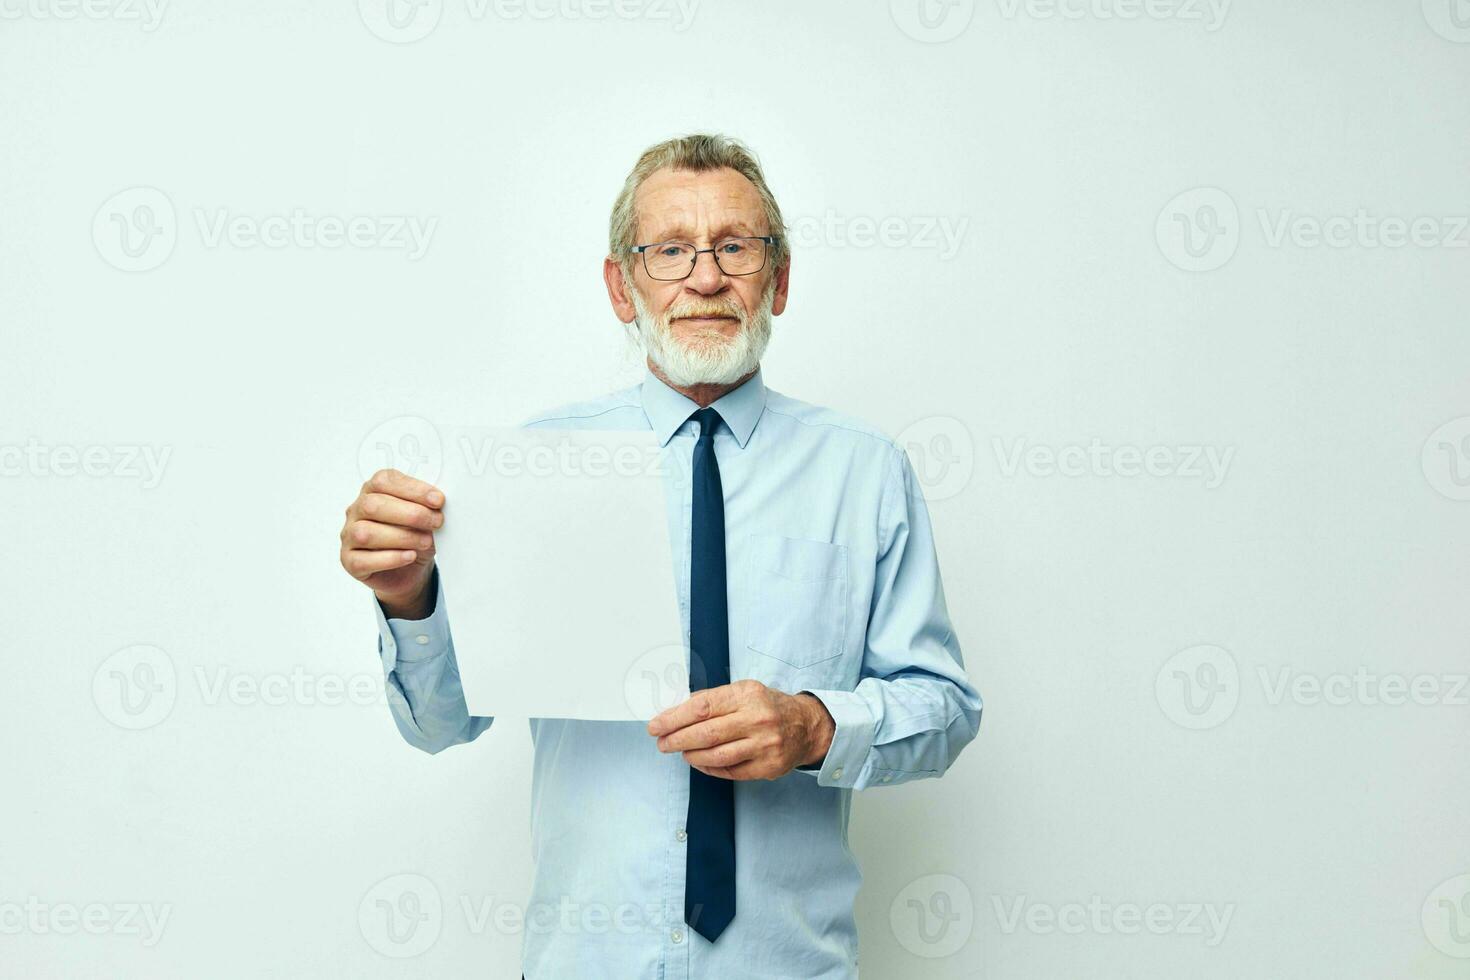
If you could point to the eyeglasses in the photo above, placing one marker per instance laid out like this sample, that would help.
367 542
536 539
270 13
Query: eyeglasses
672 261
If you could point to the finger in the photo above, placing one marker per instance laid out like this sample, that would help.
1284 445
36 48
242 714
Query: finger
702 735
701 706
723 756
717 773
387 509
399 484
752 769
361 563
374 536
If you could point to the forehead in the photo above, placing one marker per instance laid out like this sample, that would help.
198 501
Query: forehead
713 202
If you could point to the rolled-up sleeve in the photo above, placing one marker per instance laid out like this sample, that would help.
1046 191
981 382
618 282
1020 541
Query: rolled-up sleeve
914 707
422 679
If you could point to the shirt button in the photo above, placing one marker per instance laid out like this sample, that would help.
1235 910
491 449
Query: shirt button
678 936
680 835
422 639
837 773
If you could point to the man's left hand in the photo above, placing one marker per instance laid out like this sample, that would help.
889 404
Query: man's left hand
746 730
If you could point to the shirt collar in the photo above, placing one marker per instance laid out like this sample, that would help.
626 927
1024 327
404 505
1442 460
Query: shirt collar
667 409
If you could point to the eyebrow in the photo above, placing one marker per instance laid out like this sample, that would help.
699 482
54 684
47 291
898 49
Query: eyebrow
681 233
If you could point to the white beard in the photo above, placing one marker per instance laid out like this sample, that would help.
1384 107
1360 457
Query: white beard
710 358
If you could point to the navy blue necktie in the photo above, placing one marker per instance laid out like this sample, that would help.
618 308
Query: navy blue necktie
709 883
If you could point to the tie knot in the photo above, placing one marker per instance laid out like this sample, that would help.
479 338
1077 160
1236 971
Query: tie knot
708 420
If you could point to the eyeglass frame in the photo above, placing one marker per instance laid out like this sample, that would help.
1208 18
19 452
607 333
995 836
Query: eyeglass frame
642 250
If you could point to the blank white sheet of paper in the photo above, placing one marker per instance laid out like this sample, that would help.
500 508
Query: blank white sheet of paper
557 573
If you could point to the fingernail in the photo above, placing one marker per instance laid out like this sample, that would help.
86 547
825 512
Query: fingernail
436 498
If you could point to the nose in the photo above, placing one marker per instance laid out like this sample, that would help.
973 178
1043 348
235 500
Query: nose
706 279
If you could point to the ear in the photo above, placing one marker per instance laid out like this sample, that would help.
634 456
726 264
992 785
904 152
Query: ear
617 290
783 283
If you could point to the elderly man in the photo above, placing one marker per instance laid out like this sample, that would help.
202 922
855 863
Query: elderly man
712 842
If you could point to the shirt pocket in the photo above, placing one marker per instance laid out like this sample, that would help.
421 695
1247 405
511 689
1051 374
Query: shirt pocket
798 599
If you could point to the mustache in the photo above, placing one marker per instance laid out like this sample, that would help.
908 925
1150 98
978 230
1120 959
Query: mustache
705 308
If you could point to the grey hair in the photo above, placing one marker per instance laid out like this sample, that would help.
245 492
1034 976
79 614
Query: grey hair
697 152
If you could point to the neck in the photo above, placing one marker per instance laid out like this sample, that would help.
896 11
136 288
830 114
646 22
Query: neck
702 395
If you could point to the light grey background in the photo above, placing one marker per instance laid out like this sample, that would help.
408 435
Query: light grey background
1130 634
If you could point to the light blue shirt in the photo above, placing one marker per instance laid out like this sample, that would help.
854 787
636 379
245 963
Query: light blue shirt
834 588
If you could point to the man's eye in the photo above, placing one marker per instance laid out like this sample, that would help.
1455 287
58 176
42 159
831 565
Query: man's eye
732 248
671 251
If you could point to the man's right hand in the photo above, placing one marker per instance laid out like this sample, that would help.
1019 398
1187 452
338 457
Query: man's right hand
388 541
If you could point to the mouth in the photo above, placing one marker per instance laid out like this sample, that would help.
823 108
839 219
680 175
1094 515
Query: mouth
706 321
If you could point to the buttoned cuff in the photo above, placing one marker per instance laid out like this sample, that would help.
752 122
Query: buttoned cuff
411 641
852 738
